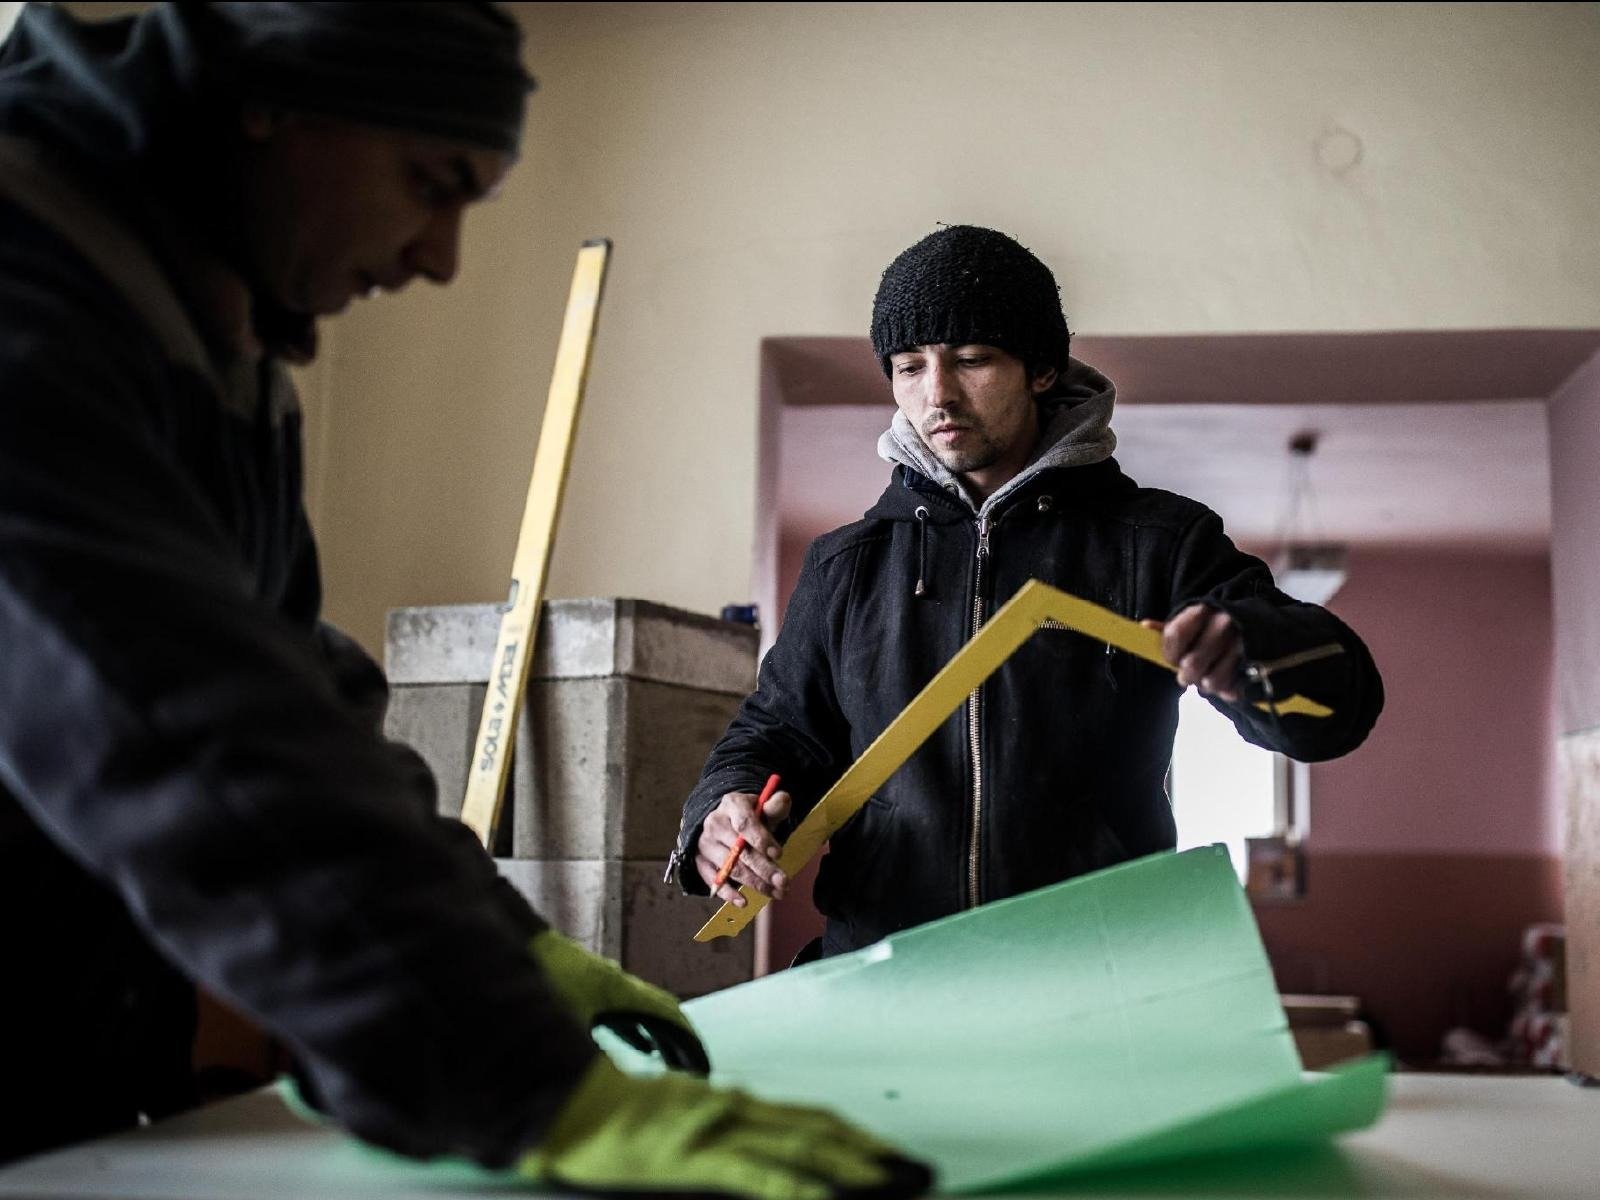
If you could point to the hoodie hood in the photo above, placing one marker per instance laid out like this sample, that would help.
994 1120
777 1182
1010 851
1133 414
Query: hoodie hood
122 92
1075 431
124 108
111 94
141 110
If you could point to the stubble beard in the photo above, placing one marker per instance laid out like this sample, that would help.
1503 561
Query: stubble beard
972 458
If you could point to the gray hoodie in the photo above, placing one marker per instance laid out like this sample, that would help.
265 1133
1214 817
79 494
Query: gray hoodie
1075 430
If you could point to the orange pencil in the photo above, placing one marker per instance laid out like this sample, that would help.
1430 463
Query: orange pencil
739 843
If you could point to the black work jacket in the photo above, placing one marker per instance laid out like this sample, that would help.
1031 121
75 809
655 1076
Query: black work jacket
1057 766
193 785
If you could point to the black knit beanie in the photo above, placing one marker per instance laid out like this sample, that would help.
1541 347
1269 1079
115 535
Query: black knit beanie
965 284
451 70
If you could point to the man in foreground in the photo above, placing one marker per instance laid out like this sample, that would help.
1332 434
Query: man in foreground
193 785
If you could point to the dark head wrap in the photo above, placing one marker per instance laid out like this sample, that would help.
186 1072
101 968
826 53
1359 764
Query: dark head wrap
964 284
452 70
138 107
116 92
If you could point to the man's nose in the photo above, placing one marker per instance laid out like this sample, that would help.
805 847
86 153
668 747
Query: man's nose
943 391
436 253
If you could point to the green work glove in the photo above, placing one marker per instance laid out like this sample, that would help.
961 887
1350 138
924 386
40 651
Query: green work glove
603 994
673 1134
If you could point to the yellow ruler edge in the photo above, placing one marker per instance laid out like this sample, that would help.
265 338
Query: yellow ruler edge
1014 623
519 625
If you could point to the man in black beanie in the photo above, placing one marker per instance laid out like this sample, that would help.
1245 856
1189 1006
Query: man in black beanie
193 781
1002 450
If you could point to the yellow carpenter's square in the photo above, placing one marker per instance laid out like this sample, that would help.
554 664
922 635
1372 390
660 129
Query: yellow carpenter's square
519 624
1016 621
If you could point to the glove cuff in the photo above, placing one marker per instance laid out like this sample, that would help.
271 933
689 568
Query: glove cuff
601 1096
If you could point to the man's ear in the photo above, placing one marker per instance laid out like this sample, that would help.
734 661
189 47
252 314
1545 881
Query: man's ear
1043 381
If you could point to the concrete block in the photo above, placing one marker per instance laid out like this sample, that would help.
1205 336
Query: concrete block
623 911
611 739
439 723
566 776
610 763
625 701
442 643
599 767
577 639
668 733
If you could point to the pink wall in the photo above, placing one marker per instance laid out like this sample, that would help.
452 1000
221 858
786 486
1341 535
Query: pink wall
1575 544
1438 841
1575 509
1463 759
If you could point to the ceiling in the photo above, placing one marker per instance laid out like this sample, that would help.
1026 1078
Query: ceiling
1429 437
1460 475
1414 367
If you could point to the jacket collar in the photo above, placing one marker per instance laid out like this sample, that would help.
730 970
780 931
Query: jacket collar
910 490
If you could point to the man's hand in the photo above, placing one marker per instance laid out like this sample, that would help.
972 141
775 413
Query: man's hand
671 1135
734 816
600 993
1203 644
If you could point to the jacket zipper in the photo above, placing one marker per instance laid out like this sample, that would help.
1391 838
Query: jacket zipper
973 701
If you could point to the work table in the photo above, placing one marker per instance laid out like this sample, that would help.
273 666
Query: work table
1458 1136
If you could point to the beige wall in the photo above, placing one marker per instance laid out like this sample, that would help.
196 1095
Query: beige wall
1181 166
758 165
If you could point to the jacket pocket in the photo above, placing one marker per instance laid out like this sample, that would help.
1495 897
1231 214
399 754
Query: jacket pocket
857 875
1104 848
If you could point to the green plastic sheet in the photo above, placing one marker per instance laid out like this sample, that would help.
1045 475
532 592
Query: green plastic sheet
1123 1019
1127 1017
